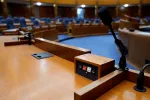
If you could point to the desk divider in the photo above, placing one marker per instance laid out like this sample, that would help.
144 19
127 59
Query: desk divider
62 50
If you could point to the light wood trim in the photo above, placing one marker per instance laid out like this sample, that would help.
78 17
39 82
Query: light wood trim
99 87
131 76
125 91
59 49
106 83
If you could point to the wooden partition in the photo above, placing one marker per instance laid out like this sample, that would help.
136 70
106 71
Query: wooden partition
46 11
84 30
50 34
131 11
67 11
19 10
145 9
59 49
108 82
89 12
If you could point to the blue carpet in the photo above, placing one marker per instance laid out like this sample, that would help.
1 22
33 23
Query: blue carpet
62 36
100 45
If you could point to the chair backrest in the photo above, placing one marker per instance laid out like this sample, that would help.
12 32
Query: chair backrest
32 19
10 23
86 21
23 22
97 21
36 23
1 17
3 21
48 20
16 20
77 22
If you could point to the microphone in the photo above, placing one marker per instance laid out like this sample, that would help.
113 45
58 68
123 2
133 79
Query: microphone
140 80
107 20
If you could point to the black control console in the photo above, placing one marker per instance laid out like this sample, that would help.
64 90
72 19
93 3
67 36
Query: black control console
87 70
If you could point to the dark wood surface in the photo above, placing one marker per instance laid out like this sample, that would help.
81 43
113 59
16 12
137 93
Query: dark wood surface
59 49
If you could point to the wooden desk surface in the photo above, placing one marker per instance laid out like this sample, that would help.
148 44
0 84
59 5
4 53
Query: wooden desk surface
23 77
125 91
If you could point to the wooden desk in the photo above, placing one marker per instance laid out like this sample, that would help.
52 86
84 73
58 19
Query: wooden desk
23 77
125 91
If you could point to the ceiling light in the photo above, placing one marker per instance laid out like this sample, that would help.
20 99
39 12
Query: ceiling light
2 0
83 6
39 3
54 5
126 5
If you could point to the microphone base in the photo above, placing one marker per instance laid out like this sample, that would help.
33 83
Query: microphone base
126 69
139 90
120 69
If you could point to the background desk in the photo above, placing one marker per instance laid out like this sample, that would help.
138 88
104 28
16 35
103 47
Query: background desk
23 77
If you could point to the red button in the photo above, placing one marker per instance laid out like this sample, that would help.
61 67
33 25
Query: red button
84 68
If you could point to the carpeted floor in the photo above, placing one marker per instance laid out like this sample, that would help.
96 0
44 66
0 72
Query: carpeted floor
100 45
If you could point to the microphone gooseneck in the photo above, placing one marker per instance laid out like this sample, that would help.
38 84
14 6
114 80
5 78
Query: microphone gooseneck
107 20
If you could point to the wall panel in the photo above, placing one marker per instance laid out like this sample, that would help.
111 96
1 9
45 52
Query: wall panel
107 2
87 2
66 11
146 10
1 10
46 11
19 10
146 1
66 1
131 11
89 12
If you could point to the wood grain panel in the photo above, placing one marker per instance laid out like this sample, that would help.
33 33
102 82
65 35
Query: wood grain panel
105 87
99 87
46 11
107 2
23 77
45 1
59 49
146 1
145 9
128 1
87 2
65 1
1 9
89 12
132 77
50 34
131 11
125 91
19 10
67 11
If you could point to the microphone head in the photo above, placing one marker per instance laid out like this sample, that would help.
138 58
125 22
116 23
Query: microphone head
104 15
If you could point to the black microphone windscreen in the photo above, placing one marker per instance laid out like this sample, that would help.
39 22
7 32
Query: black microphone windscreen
104 15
